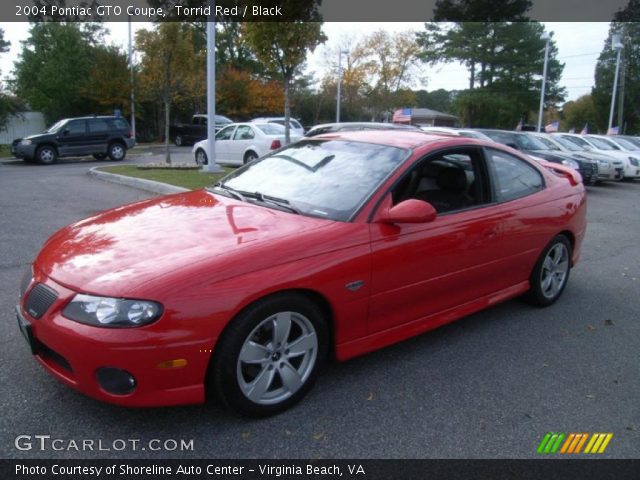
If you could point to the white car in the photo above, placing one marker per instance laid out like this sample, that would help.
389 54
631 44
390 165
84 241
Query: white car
630 163
625 146
608 168
241 143
295 127
460 132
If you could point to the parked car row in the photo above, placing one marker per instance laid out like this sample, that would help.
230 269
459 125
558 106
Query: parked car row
598 158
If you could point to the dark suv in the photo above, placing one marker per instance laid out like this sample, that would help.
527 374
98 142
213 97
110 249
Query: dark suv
101 137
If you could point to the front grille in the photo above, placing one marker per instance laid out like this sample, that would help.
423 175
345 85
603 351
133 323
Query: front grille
40 299
55 357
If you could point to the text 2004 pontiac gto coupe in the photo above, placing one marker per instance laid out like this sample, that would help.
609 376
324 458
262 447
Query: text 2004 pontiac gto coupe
343 243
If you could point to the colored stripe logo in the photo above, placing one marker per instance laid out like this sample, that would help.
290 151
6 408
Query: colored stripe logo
573 443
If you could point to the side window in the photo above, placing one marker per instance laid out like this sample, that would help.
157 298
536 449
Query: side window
450 181
244 132
295 124
98 125
512 177
225 133
75 127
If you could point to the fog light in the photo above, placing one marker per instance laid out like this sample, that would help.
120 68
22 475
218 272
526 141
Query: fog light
115 381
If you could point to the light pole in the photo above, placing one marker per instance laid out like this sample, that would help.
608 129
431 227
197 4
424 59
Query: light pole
546 36
616 44
339 82
133 103
211 165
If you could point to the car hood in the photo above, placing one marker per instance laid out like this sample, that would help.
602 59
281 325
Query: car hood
549 155
118 251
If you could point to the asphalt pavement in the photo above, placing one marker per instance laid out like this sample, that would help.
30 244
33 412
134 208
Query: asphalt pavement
488 386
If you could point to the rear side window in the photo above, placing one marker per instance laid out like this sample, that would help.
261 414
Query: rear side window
512 177
97 125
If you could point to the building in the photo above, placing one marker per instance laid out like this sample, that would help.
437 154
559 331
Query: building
424 117
22 124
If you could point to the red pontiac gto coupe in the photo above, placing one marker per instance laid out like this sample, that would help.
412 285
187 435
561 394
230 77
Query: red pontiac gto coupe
342 243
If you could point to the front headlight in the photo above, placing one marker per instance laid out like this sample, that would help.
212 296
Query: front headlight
25 141
603 163
112 312
571 164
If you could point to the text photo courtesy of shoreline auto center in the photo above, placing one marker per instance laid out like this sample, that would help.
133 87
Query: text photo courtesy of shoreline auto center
319 239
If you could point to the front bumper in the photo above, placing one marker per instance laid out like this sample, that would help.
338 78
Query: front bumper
24 151
73 353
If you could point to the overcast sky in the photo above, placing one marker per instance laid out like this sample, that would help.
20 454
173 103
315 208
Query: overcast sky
579 45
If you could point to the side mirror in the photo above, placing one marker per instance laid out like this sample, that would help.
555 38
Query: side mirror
66 131
409 211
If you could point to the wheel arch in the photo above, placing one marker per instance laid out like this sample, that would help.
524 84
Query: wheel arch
572 241
317 298
249 150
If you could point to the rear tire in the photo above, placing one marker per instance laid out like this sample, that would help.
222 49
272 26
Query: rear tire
269 356
551 273
46 155
201 157
250 157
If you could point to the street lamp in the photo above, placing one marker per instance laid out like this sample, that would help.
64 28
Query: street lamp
616 44
339 82
546 36
211 166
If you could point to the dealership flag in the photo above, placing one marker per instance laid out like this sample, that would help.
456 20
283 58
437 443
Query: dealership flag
519 126
613 131
402 115
585 130
552 127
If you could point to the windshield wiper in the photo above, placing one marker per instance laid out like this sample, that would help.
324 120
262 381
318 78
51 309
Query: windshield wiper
279 202
231 191
242 195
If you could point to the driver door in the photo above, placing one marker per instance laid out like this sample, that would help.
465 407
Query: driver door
421 270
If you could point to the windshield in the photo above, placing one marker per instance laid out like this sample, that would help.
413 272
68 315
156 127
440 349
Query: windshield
626 144
548 143
602 144
271 128
578 141
570 145
56 126
525 142
326 178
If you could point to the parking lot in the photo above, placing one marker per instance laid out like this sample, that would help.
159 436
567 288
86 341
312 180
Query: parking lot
488 386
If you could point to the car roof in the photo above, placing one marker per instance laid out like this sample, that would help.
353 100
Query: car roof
396 138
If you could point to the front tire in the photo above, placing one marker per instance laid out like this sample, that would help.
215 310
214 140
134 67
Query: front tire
117 152
46 155
269 356
551 273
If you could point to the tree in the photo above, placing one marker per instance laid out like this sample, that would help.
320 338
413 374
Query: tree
53 66
504 59
629 73
9 104
578 113
440 100
108 84
282 47
240 95
171 70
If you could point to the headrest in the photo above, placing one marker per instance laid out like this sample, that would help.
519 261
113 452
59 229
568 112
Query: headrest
452 178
